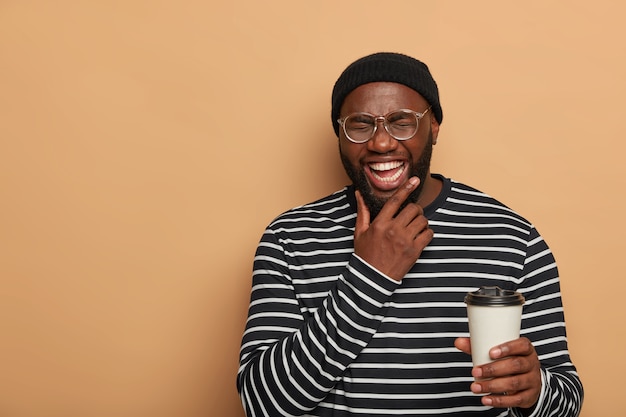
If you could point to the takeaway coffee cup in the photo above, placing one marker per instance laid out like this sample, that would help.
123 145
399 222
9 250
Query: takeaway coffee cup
495 317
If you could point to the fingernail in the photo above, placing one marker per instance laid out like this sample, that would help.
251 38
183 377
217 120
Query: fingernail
477 372
413 180
476 388
496 353
487 401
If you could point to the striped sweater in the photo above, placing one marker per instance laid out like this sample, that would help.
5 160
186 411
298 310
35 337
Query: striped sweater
328 335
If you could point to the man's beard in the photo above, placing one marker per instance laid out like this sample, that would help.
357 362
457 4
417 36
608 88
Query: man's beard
375 204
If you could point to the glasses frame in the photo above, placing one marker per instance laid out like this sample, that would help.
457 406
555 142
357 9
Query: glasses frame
418 115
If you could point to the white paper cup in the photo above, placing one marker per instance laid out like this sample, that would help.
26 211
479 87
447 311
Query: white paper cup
494 317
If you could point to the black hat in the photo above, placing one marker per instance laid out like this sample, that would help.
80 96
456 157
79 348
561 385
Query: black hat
386 67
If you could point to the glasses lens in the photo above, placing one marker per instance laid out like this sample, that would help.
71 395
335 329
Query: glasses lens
402 124
359 127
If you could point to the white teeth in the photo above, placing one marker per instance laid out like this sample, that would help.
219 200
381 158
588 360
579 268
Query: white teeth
386 166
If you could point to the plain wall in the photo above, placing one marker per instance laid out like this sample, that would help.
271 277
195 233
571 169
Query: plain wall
145 145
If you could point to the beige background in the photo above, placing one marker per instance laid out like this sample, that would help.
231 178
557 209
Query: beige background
144 146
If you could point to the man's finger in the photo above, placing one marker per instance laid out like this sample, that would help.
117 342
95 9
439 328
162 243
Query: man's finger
392 205
519 347
463 344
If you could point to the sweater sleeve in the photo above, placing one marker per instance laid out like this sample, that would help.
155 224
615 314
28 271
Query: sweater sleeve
289 360
543 322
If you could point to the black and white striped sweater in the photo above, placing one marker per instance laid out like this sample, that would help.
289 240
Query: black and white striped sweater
328 335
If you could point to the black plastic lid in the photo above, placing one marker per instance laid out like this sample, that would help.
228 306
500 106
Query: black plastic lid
494 296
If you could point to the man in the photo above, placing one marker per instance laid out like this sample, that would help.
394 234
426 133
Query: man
357 299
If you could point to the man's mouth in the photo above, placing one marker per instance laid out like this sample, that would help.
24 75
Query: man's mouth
386 172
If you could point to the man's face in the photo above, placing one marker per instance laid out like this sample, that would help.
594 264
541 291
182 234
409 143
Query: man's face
378 167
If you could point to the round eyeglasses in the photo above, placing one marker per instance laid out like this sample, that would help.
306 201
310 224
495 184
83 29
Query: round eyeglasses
400 124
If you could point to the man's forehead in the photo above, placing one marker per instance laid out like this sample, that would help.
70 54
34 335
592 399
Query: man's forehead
382 97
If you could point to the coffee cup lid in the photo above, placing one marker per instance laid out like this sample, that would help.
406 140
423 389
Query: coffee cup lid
494 296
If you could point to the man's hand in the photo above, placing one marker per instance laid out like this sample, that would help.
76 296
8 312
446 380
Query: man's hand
513 379
394 240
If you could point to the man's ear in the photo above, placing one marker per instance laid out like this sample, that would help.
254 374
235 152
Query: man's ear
434 128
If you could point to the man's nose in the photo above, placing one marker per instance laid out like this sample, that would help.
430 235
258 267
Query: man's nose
382 141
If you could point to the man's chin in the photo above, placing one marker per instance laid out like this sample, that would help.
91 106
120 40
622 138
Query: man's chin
380 195
374 202
375 199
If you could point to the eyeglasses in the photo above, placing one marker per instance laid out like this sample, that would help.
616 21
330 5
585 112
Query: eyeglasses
400 124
